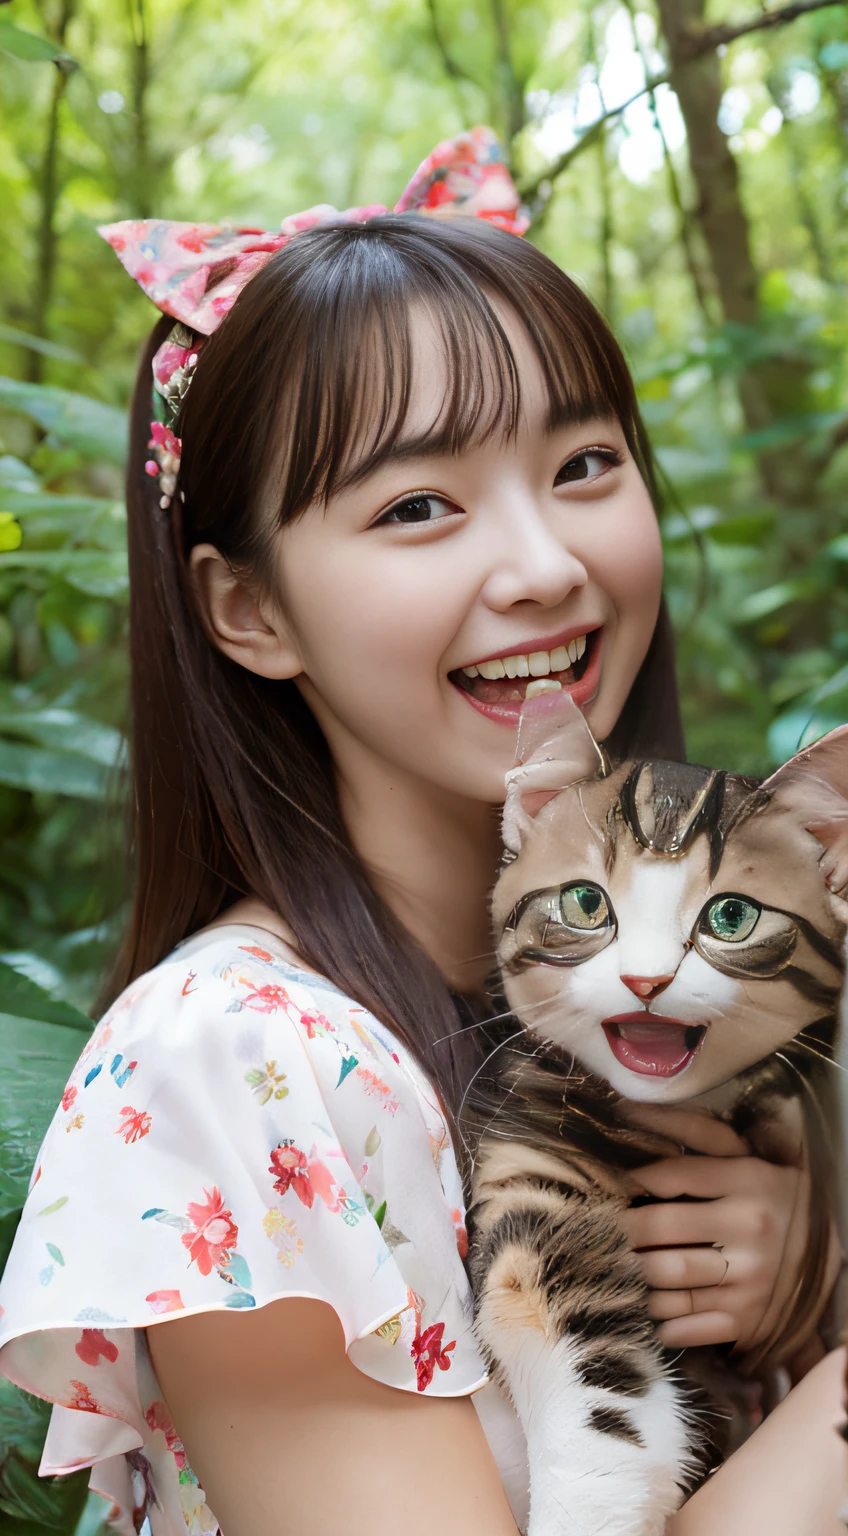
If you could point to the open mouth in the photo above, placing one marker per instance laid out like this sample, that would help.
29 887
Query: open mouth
651 1044
499 686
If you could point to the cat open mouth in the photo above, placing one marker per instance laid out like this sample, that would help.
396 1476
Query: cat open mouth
499 686
652 1044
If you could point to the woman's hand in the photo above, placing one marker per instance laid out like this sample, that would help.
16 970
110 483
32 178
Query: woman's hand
721 1269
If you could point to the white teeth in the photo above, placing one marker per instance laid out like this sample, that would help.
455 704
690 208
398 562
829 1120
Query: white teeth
491 670
542 685
538 664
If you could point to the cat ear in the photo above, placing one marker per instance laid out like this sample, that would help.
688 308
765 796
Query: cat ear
555 750
815 782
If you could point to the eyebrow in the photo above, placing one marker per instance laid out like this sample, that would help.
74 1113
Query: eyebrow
435 444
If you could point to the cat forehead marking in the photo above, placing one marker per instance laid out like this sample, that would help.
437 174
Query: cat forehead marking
665 805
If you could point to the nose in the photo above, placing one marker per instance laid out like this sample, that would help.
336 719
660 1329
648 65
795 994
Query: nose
646 988
532 564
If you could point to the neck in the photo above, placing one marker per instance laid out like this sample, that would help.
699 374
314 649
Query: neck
431 855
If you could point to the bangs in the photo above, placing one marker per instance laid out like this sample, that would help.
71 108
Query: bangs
369 298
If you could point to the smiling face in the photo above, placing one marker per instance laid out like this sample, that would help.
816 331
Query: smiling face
670 926
431 592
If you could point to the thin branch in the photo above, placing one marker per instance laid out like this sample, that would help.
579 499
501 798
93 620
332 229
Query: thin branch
696 46
455 72
704 41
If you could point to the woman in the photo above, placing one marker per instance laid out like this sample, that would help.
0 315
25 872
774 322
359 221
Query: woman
412 448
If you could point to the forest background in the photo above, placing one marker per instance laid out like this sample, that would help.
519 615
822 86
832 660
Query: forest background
687 162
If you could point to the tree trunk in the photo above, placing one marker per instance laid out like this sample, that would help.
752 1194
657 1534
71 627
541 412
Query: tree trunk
48 187
772 389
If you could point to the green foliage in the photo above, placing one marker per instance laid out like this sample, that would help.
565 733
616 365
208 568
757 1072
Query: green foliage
256 108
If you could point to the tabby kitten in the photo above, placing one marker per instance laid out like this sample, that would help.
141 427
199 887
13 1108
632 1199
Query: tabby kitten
666 934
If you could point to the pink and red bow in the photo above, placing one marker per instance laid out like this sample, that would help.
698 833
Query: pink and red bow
195 272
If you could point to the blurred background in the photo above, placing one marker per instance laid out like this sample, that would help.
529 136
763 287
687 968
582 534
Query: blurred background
685 160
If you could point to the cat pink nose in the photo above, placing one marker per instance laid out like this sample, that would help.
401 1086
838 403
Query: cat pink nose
647 987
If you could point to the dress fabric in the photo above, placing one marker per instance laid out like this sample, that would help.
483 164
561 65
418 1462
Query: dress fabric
235 1131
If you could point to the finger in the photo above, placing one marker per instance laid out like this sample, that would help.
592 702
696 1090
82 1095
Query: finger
703 1328
664 1305
707 1178
674 1224
672 1269
693 1128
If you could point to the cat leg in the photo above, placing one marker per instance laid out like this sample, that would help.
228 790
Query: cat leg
562 1317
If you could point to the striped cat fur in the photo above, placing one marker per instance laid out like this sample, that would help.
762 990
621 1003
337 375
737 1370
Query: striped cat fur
617 1431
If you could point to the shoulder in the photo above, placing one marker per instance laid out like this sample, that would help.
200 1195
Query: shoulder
222 978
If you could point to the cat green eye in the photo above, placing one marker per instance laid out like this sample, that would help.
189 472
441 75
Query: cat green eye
563 925
583 906
732 918
741 937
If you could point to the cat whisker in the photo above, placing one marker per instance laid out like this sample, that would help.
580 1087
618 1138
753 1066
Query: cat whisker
495 1018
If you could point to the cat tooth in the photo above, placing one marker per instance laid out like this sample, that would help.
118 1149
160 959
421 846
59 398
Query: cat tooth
572 651
522 666
511 666
560 658
491 670
542 685
540 663
581 646
471 672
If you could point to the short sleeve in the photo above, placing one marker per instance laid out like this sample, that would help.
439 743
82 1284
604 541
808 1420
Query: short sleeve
234 1132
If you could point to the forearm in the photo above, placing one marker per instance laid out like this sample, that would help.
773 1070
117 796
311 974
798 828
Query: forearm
790 1478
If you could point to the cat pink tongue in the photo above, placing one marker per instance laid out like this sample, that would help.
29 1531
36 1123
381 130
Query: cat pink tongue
650 1044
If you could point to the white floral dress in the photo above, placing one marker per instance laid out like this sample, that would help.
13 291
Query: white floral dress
235 1131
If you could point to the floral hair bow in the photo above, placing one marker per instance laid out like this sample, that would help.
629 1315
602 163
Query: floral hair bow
195 272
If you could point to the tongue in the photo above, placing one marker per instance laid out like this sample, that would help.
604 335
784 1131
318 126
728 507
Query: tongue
650 1047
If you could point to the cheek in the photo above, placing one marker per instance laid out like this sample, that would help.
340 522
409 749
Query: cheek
370 615
627 565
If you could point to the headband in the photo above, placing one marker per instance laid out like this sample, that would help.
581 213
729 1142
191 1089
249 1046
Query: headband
195 272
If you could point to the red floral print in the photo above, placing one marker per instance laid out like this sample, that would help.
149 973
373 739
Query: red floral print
68 1096
266 999
428 1352
214 1235
94 1343
291 1171
165 1301
135 1124
82 1399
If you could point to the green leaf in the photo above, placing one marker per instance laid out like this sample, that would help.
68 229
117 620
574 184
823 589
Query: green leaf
98 573
39 344
24 999
42 771
28 45
36 1060
760 604
11 534
66 730
98 431
17 476
34 503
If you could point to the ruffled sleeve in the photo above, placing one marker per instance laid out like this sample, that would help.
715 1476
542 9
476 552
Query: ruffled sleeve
236 1131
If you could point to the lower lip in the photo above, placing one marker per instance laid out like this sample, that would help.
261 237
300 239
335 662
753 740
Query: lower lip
582 692
654 1046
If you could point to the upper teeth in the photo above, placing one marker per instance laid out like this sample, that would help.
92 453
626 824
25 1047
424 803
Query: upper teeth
536 664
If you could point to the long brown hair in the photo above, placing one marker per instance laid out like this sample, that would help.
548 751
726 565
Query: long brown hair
305 388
